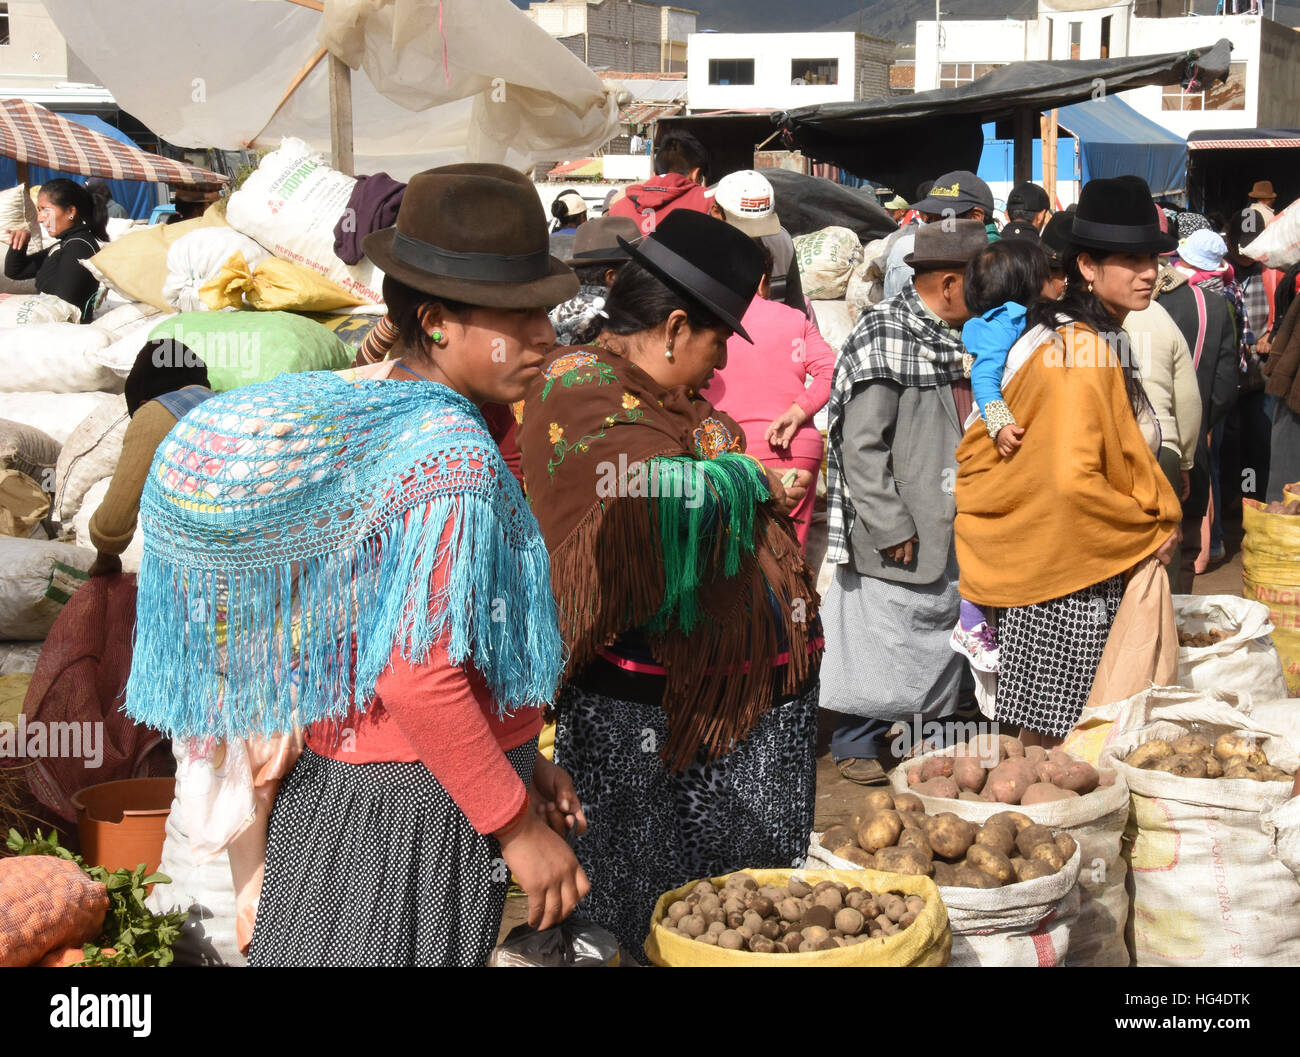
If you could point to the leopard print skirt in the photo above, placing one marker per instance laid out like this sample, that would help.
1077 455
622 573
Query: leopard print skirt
651 829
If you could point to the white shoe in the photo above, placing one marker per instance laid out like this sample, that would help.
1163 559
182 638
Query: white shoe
979 645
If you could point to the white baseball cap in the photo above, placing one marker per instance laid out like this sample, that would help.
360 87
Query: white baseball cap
747 199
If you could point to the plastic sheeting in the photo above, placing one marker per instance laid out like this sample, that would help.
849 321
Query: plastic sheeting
1114 140
444 80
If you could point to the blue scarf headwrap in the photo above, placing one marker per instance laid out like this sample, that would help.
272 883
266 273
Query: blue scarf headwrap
290 522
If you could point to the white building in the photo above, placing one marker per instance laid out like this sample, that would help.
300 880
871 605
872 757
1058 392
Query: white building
780 71
619 34
1263 86
35 62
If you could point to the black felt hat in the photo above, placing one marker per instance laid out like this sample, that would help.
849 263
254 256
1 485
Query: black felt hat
1118 215
1055 239
706 260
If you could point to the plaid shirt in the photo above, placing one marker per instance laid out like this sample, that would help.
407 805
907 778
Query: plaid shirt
1255 303
897 340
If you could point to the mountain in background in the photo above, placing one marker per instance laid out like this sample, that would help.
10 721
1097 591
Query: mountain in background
891 19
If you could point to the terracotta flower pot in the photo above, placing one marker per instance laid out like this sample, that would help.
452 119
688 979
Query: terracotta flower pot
121 824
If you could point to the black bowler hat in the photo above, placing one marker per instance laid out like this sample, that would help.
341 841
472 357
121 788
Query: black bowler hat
1055 239
705 260
1118 215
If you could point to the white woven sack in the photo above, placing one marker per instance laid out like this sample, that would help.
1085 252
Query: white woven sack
24 310
54 414
826 260
1096 822
134 552
1207 889
125 318
37 577
90 454
290 206
1278 245
19 657
834 321
1246 661
1024 925
28 450
18 211
54 358
195 258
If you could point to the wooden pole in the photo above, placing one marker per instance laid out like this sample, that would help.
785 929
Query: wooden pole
1051 128
22 173
1024 145
340 78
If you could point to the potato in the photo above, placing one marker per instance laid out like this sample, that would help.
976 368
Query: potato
693 925
1193 745
949 835
677 911
1035 753
902 860
907 803
1237 767
877 800
1012 748
1182 766
1047 852
1213 766
967 795
831 899
1000 838
1066 845
791 909
969 877
850 921
857 857
1049 771
798 888
1031 836
1146 754
1228 745
1045 793
816 916
1269 773
940 788
1032 869
838 837
991 861
892 906
914 777
1106 777
1079 777
914 819
731 940
760 945
937 767
711 938
1015 819
816 934
1008 780
944 873
917 841
969 773
881 830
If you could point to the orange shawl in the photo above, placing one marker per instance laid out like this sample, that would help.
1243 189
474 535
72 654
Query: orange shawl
1081 501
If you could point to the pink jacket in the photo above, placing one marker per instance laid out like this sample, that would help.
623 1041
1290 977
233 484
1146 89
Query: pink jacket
762 380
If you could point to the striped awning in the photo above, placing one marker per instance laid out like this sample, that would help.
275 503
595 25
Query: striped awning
645 113
581 167
1240 144
30 133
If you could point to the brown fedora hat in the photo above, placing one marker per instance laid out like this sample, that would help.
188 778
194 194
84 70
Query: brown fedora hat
946 244
1262 189
596 241
474 233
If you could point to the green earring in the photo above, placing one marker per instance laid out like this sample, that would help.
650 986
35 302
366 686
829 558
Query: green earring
435 336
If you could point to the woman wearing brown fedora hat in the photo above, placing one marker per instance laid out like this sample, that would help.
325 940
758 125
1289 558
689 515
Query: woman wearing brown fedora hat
688 714
1047 536
375 506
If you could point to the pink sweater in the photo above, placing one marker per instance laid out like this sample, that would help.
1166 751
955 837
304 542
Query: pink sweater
762 380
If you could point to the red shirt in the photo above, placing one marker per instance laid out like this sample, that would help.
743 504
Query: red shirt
658 197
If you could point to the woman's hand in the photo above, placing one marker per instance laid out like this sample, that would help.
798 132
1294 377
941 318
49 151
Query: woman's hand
1167 549
18 238
555 799
783 428
546 869
902 553
1187 485
1009 439
795 491
104 565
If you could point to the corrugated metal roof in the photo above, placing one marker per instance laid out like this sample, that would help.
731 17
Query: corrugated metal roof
644 113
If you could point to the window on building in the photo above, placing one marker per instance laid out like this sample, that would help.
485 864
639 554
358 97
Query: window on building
814 71
952 74
1105 37
1076 39
1228 95
4 24
731 71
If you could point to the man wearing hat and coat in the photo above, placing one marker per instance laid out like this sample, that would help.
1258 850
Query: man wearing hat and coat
898 404
596 260
1262 199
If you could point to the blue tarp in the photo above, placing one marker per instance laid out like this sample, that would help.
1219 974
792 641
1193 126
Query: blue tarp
1114 139
135 196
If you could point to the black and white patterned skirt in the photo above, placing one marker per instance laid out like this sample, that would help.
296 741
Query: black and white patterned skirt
373 864
1048 655
650 829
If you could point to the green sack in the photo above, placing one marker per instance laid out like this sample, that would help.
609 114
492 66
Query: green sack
241 348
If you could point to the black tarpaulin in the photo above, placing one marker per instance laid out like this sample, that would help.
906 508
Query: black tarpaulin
902 140
809 203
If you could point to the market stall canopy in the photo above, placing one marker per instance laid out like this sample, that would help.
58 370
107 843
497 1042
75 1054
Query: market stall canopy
1114 140
1244 139
32 134
445 80
902 140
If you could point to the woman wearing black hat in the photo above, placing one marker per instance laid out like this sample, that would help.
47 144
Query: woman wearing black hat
688 714
1047 537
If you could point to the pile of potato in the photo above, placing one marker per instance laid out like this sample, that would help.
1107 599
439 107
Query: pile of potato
893 833
1195 756
1280 507
1001 769
1201 639
798 918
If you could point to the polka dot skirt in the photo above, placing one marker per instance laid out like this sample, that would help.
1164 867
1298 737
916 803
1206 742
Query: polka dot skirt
1048 655
374 865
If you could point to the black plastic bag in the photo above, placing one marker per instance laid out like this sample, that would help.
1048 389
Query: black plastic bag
574 942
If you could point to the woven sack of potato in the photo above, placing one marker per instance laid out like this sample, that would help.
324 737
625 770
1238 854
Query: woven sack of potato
1207 889
927 941
1270 573
1028 924
1095 820
1243 656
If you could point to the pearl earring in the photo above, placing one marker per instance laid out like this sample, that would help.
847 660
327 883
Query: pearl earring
668 353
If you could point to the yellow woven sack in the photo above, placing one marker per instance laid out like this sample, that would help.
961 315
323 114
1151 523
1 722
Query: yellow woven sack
1270 574
927 941
275 285
13 689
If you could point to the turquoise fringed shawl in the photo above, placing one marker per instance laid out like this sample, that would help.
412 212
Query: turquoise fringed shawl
286 520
